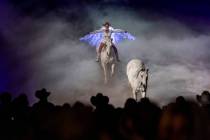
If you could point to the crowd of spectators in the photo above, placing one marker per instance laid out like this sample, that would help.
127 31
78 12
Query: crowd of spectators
181 119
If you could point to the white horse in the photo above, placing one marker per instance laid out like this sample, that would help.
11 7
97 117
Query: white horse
108 60
137 77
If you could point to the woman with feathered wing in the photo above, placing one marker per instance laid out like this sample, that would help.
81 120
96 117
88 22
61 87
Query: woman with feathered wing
99 38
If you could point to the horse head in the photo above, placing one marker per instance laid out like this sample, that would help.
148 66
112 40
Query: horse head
108 47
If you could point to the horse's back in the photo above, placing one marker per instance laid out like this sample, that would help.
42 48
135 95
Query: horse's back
133 66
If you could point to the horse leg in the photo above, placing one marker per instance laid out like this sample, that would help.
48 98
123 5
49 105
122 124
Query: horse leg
105 73
134 94
143 94
112 70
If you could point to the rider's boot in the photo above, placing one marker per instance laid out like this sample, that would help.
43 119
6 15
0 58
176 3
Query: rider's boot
117 56
97 58
116 53
98 52
118 59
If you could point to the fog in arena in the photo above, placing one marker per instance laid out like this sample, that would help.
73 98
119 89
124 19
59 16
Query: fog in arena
46 52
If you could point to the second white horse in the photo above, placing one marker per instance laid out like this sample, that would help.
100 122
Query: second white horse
137 77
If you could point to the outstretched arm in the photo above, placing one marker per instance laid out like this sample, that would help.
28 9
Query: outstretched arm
97 31
119 31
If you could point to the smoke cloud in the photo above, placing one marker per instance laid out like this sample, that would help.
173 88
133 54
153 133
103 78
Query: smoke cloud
46 52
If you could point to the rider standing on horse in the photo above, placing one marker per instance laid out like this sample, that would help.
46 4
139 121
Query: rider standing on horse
107 32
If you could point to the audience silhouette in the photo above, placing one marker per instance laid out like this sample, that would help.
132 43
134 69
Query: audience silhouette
143 120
